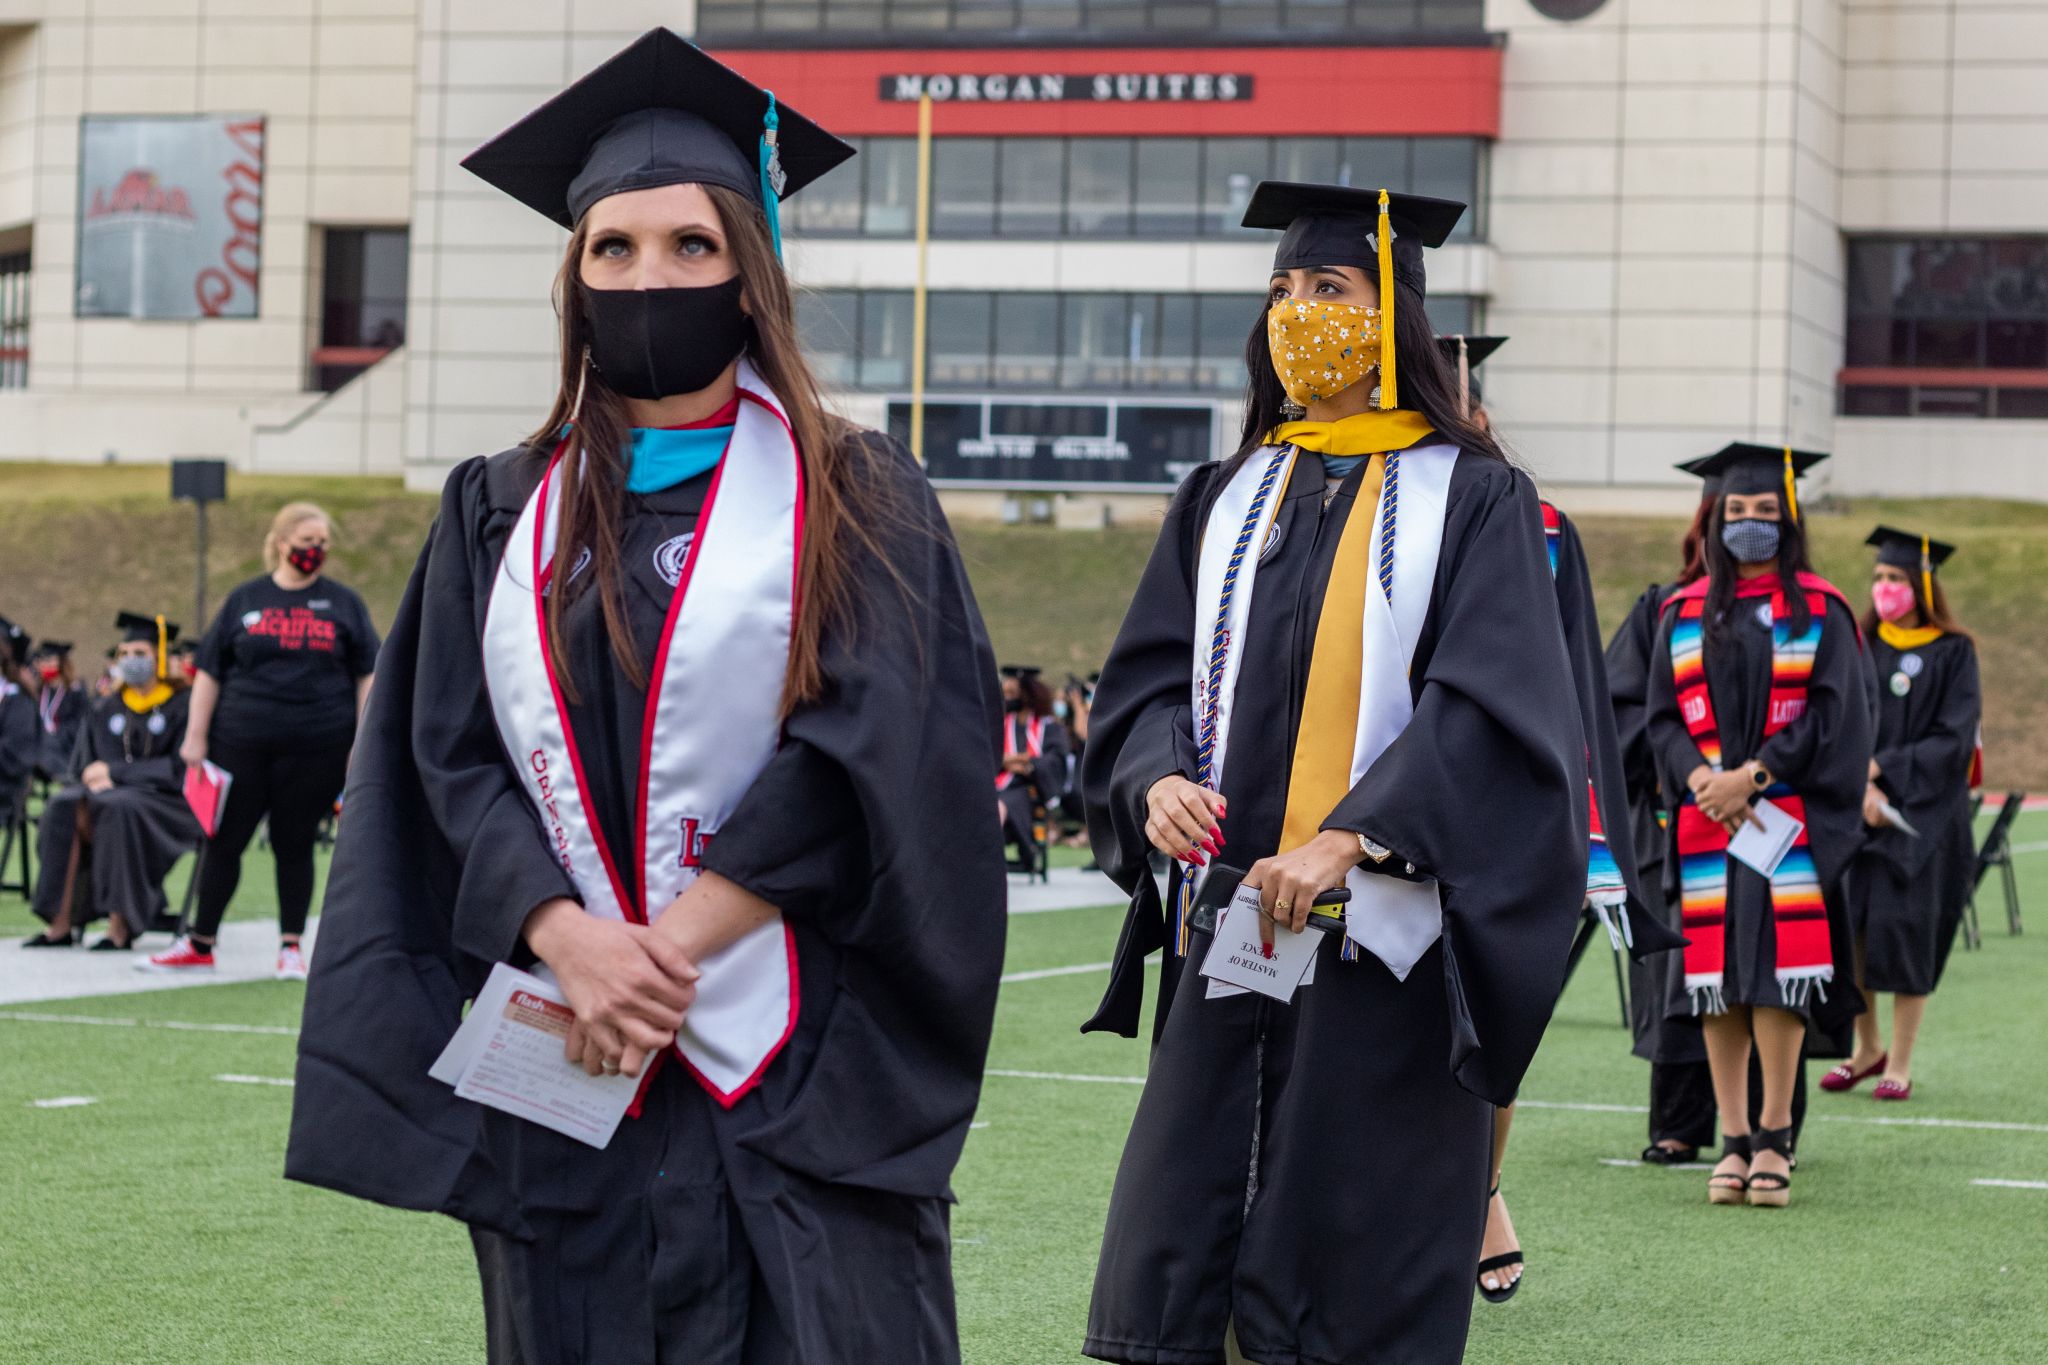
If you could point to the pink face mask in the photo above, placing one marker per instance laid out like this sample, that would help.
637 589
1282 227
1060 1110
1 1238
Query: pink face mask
1893 600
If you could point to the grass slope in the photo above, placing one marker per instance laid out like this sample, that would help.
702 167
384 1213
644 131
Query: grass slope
78 544
152 1226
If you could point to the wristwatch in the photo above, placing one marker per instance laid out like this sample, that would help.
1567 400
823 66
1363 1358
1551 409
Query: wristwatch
1759 776
1379 853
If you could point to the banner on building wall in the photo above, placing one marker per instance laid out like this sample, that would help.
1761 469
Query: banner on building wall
170 216
1127 444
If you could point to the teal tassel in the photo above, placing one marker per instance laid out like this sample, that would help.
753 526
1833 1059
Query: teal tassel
772 177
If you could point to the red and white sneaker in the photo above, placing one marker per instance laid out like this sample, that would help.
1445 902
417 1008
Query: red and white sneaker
182 956
291 963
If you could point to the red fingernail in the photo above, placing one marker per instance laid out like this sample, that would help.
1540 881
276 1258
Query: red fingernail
1209 844
1220 840
1198 860
1266 948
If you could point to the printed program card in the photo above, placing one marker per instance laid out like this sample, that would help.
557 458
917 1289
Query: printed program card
1237 957
1764 847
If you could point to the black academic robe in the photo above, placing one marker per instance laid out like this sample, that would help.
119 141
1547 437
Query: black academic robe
1906 894
1046 780
60 711
19 735
1649 930
1823 756
141 825
1318 1170
820 1196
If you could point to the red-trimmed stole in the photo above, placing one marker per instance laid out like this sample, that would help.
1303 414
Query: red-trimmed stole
1034 743
1798 916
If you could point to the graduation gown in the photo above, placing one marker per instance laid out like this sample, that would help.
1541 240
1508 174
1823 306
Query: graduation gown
1823 755
19 743
1317 1171
1905 894
141 825
59 718
815 1208
1046 780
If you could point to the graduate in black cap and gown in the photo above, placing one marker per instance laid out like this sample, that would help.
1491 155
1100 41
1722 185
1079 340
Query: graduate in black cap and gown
1906 890
61 705
18 721
1756 693
110 836
1615 894
1034 770
698 608
1343 666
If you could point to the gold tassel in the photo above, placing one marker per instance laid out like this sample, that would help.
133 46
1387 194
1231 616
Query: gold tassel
582 378
1791 495
1464 379
163 645
1927 581
1390 397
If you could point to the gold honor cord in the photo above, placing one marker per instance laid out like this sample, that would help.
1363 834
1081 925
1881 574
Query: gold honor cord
1389 395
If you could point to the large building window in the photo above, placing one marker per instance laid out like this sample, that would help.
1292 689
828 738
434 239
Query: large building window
1948 327
1108 187
1102 343
804 22
362 302
14 277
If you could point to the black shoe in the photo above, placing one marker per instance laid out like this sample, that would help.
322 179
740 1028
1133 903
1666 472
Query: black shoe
1504 1261
69 940
1658 1155
107 945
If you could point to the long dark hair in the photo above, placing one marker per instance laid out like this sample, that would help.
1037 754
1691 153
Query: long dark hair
1693 562
844 499
1427 382
1934 613
1722 573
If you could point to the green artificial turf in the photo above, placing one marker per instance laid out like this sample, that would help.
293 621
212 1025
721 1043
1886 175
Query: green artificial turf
152 1225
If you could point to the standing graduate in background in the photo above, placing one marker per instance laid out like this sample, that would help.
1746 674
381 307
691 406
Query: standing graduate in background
19 727
61 704
1614 892
1757 693
1906 890
1034 771
1343 666
109 837
697 608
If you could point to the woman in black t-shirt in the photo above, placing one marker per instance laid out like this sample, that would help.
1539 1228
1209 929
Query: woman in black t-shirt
278 684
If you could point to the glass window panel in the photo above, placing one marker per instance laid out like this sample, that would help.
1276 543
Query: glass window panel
1166 357
1315 16
984 14
1232 168
1385 16
1370 162
885 340
1958 402
890 201
844 16
827 321
1452 314
1049 15
829 205
1048 419
1312 160
1224 329
1172 15
1945 278
1115 16
1869 400
1948 341
920 16
2016 270
1027 346
964 187
1033 173
1877 271
2012 344
1871 341
1094 341
728 16
1448 168
1099 187
789 16
2022 403
960 339
1169 186
1249 16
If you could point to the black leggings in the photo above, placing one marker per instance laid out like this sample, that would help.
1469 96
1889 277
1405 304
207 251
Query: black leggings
295 786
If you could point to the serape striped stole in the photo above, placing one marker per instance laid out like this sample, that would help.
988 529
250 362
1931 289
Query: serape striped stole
1798 915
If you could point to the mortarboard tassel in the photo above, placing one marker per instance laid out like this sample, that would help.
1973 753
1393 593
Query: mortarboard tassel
772 176
1390 397
163 645
1791 496
1464 379
1927 579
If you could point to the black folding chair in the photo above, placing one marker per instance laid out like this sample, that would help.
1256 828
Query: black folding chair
1996 851
1589 925
15 832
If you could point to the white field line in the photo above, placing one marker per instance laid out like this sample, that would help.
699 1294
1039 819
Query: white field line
1065 1076
100 1021
1043 972
233 1079
2013 1184
1631 1161
63 1102
2034 846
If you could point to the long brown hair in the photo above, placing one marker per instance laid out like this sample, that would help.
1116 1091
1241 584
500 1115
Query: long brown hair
1694 560
840 487
1934 613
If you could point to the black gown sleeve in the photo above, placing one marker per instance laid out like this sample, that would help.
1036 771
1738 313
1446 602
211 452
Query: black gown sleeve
1927 775
797 838
18 725
1628 684
1049 773
1495 744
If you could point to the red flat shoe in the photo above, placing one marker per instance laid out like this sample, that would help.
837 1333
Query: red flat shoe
1894 1090
1844 1077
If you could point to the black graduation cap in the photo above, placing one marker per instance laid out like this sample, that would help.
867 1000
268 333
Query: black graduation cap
151 630
1466 354
1373 230
52 649
15 637
1021 672
658 112
1905 549
1745 468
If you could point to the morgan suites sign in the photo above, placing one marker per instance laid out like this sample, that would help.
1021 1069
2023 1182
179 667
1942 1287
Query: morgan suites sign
1109 87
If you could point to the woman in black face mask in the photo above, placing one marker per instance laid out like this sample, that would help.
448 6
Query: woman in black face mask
277 685
640 729
1759 723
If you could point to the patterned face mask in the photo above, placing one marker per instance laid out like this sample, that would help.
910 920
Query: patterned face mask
1321 348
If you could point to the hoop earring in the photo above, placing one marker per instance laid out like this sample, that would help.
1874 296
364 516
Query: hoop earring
582 378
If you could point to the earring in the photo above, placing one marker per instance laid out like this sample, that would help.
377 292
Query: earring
1293 411
582 378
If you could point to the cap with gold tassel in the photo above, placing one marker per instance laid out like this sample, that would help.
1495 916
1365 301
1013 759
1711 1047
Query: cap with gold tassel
1791 492
1926 574
1383 239
1464 378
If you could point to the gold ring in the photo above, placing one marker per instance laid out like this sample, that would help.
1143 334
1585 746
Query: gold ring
1283 907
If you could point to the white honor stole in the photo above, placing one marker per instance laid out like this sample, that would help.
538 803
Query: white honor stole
713 721
1393 919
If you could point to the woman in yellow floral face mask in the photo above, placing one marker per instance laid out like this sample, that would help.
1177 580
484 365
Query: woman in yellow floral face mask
1343 668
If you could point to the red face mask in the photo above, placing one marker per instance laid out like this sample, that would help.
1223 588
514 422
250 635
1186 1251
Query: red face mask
307 559
49 671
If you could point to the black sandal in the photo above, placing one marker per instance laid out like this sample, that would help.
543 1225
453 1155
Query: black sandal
1500 1262
1768 1189
1719 1193
1657 1155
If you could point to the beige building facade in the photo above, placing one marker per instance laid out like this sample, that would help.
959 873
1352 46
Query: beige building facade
1822 221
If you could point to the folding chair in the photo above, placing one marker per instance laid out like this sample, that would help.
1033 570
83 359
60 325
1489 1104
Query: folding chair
1589 925
1973 938
14 831
1034 846
1996 851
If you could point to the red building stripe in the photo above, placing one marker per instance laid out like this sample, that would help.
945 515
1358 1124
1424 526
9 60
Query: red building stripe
1296 91
1931 376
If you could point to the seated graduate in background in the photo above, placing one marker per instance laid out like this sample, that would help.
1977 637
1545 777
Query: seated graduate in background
61 705
1034 758
18 727
112 834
